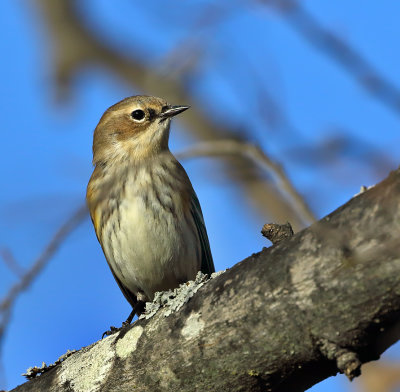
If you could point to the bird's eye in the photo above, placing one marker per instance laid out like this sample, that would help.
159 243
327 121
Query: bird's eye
138 115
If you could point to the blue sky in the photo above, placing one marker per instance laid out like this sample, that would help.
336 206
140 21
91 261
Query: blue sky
46 143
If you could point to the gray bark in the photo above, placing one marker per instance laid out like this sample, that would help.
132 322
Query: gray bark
323 301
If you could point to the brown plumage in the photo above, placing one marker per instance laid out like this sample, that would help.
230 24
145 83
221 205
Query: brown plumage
145 212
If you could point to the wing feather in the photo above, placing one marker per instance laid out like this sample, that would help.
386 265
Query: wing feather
207 263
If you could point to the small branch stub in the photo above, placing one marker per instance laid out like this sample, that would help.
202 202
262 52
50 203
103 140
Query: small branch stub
346 361
276 232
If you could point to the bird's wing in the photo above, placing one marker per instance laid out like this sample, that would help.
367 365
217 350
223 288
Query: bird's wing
207 263
130 297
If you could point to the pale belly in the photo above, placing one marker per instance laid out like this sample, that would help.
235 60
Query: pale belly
149 248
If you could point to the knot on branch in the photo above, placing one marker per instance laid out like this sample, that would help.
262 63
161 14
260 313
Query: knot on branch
276 232
346 361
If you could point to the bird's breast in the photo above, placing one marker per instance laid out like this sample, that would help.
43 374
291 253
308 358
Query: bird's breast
149 238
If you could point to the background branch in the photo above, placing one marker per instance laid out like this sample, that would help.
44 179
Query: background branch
253 153
75 46
37 266
340 51
11 262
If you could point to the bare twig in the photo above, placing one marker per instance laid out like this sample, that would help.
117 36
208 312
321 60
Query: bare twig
184 56
27 278
258 157
11 262
340 51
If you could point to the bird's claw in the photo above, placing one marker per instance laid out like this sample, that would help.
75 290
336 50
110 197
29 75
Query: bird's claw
137 309
112 330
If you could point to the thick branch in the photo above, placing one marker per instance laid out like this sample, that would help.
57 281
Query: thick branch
324 300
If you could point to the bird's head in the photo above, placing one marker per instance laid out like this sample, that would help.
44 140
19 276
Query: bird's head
136 128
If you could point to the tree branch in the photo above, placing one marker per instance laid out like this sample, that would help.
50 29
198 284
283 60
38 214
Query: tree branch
324 300
256 155
28 276
340 51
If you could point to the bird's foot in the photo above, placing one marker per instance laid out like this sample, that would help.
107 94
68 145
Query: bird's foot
113 330
137 310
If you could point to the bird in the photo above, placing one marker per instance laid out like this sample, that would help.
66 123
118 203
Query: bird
145 212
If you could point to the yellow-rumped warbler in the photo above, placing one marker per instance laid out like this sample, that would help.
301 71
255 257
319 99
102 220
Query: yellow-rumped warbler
144 210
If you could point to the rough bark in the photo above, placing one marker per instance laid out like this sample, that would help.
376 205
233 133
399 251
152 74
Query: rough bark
324 300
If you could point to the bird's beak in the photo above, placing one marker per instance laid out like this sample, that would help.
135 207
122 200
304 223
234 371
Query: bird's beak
171 111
